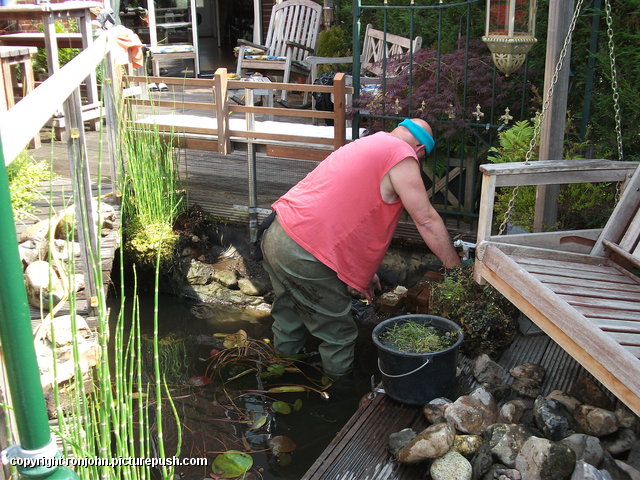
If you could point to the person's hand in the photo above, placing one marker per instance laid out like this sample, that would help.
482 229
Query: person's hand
374 285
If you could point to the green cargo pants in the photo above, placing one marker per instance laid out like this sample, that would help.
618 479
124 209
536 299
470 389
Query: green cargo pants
309 298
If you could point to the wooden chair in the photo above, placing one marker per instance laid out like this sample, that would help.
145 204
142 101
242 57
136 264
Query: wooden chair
376 47
291 37
586 298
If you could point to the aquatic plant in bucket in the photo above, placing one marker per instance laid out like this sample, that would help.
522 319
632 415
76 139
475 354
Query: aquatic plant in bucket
417 356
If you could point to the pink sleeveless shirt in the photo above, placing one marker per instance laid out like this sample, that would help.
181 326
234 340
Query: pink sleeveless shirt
337 213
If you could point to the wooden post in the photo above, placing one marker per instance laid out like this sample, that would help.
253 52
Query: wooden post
552 128
220 89
85 221
112 103
339 122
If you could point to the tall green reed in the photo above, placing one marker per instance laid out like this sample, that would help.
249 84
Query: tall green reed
115 417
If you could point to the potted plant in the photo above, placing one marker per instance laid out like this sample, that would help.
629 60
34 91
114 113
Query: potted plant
417 356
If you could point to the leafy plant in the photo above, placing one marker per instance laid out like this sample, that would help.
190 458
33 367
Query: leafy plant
488 320
579 205
443 90
154 194
333 43
414 337
65 55
24 174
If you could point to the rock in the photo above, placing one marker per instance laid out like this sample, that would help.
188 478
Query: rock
199 273
508 474
568 401
587 391
481 461
586 447
527 387
253 286
511 412
613 468
228 278
553 419
596 421
530 371
451 466
632 472
506 441
63 332
28 252
586 471
487 371
620 441
432 442
389 302
633 458
398 440
467 445
37 277
472 413
626 418
434 410
67 250
541 459
492 472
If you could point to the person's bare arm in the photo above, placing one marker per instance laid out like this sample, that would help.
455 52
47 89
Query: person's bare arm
407 184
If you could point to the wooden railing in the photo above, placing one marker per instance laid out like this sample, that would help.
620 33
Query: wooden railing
220 136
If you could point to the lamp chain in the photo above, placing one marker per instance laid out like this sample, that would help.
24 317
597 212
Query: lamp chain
545 107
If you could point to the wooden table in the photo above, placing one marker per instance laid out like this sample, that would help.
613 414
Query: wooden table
47 14
10 57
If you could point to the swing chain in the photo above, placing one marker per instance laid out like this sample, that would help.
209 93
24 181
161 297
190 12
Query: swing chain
614 80
545 107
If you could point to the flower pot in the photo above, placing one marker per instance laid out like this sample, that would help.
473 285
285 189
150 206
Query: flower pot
417 378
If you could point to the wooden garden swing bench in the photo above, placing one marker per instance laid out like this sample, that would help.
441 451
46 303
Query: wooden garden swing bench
586 298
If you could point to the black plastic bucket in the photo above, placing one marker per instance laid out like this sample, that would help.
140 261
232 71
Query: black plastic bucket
417 378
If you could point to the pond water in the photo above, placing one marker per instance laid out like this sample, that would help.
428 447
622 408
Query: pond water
218 416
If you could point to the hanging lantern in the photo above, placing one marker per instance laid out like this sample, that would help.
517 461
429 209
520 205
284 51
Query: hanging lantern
510 32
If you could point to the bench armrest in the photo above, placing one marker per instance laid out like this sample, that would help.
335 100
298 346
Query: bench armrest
313 62
246 43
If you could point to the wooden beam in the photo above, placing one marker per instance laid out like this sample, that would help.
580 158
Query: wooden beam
553 123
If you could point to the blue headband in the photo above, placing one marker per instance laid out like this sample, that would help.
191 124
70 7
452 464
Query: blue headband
419 133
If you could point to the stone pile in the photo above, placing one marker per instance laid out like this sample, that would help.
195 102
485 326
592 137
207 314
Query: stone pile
514 433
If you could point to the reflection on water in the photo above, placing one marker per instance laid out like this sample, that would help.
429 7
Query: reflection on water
215 418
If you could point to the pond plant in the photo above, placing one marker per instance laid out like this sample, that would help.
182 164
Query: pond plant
488 320
154 197
415 337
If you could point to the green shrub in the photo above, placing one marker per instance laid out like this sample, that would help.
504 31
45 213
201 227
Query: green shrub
585 205
487 319
333 43
24 174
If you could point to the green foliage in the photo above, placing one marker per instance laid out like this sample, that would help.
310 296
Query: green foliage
579 205
488 320
333 43
24 175
153 198
414 337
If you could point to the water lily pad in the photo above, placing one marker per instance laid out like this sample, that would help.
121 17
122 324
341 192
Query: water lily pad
199 381
281 444
259 422
274 371
297 405
281 407
232 464
284 459
238 339
287 389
